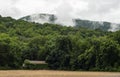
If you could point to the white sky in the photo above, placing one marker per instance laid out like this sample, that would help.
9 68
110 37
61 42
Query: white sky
99 10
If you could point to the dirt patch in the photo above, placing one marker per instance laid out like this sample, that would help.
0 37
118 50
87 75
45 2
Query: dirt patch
48 73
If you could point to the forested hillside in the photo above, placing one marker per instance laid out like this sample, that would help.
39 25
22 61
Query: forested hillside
64 48
77 22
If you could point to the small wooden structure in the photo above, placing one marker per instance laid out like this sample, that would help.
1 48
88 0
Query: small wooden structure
31 64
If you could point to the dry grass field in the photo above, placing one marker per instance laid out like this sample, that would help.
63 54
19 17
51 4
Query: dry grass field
48 73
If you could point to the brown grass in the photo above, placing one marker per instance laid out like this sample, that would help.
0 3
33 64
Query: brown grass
48 73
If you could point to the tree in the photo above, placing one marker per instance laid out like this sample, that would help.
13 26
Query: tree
10 54
59 58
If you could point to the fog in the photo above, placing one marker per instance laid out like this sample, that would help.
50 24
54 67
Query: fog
65 10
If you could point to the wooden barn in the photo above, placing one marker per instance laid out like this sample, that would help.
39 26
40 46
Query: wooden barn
35 65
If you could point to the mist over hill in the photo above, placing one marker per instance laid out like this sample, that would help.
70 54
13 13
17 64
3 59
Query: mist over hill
40 18
51 18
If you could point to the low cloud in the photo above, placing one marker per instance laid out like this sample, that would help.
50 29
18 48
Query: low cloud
107 10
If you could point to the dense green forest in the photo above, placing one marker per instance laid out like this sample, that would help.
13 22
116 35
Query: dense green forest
63 48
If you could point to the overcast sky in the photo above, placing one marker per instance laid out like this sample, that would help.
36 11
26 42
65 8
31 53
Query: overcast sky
100 10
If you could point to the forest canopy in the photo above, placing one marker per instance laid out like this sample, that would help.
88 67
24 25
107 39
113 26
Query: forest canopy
63 48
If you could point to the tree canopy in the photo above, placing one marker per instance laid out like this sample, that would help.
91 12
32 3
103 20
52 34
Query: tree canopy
64 48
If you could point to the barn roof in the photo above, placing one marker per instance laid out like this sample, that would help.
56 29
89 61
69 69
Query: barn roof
37 62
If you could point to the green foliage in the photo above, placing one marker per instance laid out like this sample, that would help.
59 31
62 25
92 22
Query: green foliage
9 55
67 48
59 56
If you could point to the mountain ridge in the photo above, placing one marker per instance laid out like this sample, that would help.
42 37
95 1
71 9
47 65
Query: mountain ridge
40 18
52 18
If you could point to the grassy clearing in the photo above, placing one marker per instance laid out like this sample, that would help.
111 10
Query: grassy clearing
48 73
